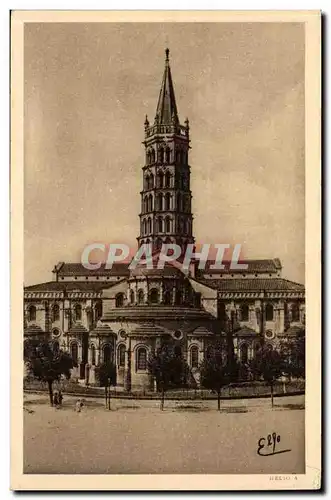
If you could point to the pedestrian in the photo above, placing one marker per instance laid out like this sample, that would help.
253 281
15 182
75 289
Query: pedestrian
56 400
60 398
79 405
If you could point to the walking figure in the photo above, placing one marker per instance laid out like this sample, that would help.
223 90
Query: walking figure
79 406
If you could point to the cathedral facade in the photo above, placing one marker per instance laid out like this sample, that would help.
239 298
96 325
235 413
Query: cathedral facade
123 315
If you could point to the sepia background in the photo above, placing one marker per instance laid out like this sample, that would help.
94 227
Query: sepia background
87 90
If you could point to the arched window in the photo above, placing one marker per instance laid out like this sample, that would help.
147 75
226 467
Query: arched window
168 155
98 310
147 182
167 225
121 355
149 225
119 300
244 353
132 296
295 312
142 358
153 156
74 351
56 346
244 312
159 201
167 297
32 313
107 354
194 357
78 312
161 155
167 201
269 312
140 296
151 181
148 157
144 226
150 203
56 312
145 204
154 296
160 179
160 225
92 355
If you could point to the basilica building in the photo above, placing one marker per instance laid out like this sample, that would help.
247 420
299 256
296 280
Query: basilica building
123 315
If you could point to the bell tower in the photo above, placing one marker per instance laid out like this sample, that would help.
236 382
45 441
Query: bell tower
166 199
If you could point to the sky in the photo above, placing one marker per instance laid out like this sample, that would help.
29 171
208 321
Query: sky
87 90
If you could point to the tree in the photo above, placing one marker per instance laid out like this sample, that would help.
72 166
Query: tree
268 364
107 378
294 355
218 370
47 364
169 369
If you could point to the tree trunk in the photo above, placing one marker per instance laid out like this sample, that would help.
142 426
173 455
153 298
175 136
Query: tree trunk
162 399
272 394
219 399
50 391
106 395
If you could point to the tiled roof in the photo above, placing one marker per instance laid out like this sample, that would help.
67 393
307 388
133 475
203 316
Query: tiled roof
77 269
246 332
33 330
148 329
70 286
254 266
254 285
161 312
78 329
103 330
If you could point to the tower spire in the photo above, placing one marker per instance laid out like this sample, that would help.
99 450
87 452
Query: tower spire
166 111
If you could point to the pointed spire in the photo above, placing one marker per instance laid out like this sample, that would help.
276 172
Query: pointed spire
166 107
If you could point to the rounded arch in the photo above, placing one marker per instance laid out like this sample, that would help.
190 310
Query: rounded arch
160 178
121 349
194 356
141 296
269 312
107 352
78 312
295 312
119 300
244 312
161 154
98 310
159 201
154 296
243 349
141 353
56 312
167 201
74 351
93 357
32 313
149 225
160 225
167 225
